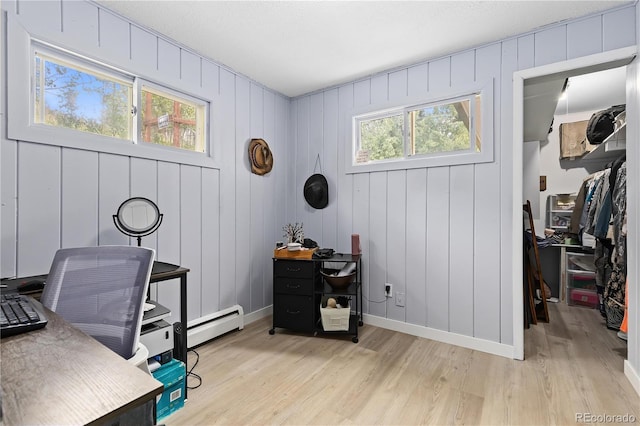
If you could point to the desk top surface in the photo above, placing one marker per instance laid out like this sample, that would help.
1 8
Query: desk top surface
59 375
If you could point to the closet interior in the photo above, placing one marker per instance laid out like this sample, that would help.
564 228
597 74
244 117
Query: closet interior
575 182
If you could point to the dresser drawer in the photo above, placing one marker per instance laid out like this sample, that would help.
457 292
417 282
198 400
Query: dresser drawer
293 312
295 269
288 285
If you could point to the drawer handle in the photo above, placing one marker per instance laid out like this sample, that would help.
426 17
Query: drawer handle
293 312
293 269
293 285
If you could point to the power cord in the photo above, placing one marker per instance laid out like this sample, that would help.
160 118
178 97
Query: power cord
190 372
373 301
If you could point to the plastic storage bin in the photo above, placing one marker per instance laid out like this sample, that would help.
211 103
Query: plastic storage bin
583 297
172 376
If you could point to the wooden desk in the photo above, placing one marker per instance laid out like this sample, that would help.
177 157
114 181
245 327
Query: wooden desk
59 375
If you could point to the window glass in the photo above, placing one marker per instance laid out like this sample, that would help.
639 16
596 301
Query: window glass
171 120
381 138
76 97
397 134
440 128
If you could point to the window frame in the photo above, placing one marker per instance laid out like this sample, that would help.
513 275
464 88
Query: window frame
353 118
20 63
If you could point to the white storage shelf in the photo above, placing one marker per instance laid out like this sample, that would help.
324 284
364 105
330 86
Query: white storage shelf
611 148
559 211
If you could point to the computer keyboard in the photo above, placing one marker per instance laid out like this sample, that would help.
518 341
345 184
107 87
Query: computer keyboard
19 314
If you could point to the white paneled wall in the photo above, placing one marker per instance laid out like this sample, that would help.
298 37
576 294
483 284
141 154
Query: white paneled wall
220 223
441 235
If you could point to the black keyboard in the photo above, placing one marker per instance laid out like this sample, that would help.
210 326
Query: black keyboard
19 314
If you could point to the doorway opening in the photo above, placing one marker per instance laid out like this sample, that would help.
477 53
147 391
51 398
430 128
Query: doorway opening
556 77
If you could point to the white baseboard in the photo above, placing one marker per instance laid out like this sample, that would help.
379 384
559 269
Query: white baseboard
257 315
632 375
507 351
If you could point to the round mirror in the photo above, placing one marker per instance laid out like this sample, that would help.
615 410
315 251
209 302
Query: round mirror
137 217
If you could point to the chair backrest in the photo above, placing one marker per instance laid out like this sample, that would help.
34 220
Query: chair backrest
101 290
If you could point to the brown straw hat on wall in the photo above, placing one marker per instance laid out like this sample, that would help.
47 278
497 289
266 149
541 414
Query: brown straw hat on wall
260 157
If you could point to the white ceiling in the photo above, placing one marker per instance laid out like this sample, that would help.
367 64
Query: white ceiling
297 47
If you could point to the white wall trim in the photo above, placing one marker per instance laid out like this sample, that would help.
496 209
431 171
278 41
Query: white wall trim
474 343
258 315
599 60
632 375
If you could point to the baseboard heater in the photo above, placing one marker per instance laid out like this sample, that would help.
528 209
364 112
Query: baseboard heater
213 325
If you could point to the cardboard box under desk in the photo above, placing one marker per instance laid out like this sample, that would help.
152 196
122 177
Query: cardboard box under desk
298 254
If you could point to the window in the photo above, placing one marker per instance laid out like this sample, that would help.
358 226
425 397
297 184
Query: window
171 120
436 128
449 130
78 94
81 97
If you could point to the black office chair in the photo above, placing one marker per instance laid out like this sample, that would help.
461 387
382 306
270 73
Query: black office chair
101 290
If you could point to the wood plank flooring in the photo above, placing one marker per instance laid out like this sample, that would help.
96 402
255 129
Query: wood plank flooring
573 365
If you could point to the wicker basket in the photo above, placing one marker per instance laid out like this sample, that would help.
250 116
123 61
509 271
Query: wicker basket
335 319
337 283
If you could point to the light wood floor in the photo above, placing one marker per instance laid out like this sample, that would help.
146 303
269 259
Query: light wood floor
573 365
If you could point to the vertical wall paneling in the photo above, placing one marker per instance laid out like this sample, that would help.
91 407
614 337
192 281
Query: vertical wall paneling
618 29
396 237
509 64
417 79
113 38
113 189
191 235
256 244
242 219
330 158
302 160
210 243
270 228
463 68
313 221
346 219
550 45
168 236
361 227
293 200
168 60
283 153
44 15
487 224
210 81
362 90
226 113
144 183
190 71
38 207
437 250
377 242
80 19
584 37
378 90
415 281
526 51
398 84
461 242
9 206
144 50
79 209
439 74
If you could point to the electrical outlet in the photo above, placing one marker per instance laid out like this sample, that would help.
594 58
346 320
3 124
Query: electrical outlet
388 290
399 299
